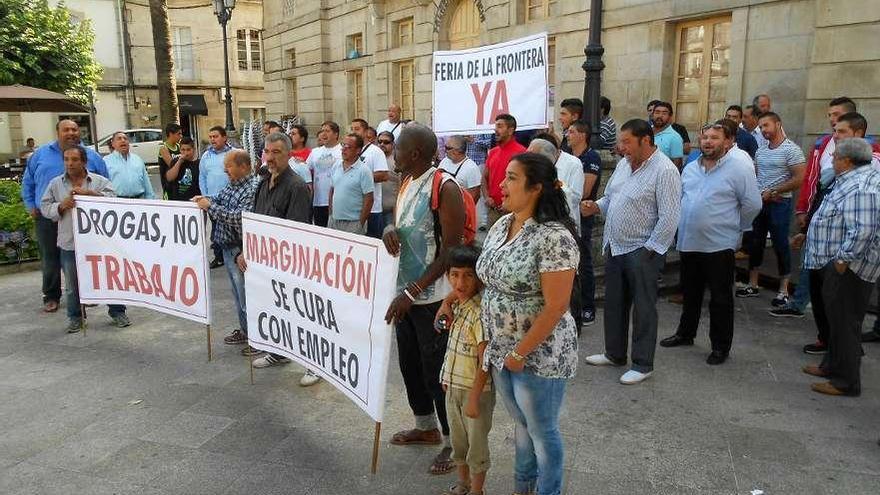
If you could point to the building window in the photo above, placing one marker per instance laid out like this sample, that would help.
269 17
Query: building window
701 67
183 53
247 115
288 7
403 32
250 51
405 88
291 58
551 69
354 45
540 9
292 97
356 93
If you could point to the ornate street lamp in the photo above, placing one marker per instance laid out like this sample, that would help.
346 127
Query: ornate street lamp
593 68
223 11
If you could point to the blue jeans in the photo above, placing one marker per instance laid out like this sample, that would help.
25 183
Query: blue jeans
236 279
802 291
71 287
775 218
534 403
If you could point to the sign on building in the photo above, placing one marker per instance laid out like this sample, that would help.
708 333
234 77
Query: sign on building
472 86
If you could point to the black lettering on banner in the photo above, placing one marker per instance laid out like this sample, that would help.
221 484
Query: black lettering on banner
186 229
127 224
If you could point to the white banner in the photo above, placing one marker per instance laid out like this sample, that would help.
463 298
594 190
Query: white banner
472 86
319 297
143 252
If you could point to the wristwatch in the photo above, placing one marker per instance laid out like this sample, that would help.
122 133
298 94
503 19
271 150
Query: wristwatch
516 356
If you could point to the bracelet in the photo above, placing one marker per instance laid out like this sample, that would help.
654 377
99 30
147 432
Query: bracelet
416 288
410 296
516 356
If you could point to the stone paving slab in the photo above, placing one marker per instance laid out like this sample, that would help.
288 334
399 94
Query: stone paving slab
140 411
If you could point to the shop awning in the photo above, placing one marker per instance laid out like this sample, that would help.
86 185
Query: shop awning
192 105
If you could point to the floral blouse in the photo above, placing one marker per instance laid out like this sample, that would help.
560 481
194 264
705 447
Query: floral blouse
513 298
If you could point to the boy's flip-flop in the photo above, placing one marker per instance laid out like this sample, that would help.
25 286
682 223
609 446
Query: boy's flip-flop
417 437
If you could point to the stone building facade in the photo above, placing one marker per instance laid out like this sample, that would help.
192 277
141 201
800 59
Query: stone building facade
342 59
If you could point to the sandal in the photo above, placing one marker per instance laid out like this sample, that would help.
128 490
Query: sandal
458 489
417 437
443 463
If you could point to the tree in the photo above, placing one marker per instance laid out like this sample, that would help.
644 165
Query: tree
41 47
165 80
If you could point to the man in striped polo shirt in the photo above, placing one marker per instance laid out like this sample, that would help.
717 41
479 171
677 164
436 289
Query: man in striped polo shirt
780 165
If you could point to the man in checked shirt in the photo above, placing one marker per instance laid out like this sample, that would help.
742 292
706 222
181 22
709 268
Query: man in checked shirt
225 211
843 254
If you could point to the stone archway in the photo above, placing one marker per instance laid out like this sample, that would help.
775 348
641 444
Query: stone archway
459 23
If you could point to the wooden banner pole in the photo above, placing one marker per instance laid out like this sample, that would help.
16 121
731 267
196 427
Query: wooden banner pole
251 364
210 351
82 319
375 464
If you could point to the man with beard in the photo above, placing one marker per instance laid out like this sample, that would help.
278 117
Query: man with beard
720 199
666 138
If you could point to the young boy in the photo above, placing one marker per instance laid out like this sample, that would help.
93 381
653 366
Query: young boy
470 398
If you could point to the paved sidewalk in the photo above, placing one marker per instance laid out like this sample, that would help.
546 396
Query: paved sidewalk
140 411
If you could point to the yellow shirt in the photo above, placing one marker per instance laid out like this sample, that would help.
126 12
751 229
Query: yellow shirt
461 361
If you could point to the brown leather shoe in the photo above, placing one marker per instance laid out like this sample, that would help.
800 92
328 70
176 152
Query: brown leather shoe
50 307
417 437
812 369
677 298
828 389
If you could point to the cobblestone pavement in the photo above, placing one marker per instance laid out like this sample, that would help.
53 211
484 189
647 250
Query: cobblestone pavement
139 410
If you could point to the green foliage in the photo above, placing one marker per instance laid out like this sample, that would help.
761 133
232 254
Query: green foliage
14 217
40 47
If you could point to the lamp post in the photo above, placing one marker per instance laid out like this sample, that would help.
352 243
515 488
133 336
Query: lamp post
593 68
223 11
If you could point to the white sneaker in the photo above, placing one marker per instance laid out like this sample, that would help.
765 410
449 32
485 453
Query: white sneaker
309 379
269 360
599 360
632 377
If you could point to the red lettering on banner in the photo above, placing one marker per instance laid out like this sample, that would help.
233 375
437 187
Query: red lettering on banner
189 275
499 101
112 267
500 104
480 99
94 260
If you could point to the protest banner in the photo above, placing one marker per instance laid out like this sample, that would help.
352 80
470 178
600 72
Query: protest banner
145 253
319 297
472 86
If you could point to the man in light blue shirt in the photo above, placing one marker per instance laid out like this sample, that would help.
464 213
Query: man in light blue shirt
720 198
212 175
45 164
213 178
351 196
128 173
666 139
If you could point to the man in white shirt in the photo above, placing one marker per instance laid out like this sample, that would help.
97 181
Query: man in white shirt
460 167
321 161
392 124
568 170
642 205
374 158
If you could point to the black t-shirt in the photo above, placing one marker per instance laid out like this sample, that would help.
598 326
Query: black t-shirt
592 164
681 132
186 185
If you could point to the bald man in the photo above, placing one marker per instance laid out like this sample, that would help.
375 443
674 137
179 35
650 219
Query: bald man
225 209
392 124
45 164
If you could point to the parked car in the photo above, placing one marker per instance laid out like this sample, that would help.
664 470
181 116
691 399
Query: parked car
144 142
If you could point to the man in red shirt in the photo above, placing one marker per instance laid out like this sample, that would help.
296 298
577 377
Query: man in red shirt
496 164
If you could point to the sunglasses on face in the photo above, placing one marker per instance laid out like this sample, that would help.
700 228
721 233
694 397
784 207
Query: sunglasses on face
383 141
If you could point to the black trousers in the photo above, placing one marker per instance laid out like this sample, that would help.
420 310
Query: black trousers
50 258
715 270
320 215
846 301
817 282
420 351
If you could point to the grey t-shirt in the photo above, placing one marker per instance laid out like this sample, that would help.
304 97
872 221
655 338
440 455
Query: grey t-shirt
774 164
